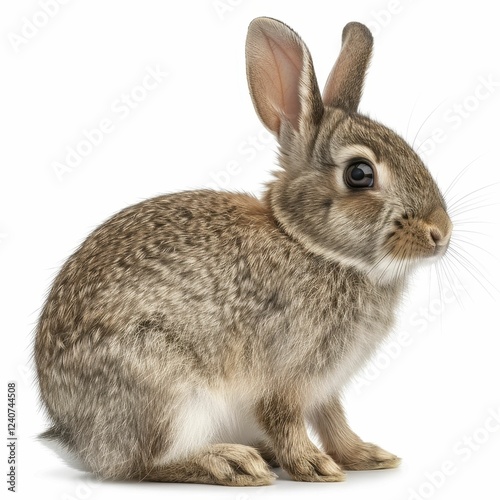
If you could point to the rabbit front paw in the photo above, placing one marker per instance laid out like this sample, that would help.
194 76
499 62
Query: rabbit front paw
368 456
314 467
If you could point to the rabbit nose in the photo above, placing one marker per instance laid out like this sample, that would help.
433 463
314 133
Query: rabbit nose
439 227
435 235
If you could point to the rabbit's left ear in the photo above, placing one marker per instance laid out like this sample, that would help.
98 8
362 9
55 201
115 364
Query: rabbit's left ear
344 86
281 77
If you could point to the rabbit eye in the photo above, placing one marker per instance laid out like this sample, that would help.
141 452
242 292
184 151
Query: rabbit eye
358 175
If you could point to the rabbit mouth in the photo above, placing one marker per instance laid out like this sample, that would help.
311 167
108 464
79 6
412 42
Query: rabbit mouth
440 250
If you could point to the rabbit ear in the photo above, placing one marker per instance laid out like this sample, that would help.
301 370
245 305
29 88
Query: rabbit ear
344 86
281 76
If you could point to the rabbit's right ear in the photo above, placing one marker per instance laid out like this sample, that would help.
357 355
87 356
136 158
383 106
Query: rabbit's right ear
281 76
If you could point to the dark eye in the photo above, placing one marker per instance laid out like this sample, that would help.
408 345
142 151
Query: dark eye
359 175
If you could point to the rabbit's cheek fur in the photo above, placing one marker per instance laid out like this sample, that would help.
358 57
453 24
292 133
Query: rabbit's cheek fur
333 222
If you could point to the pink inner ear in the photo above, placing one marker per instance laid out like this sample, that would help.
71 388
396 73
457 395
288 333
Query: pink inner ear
274 62
281 76
284 63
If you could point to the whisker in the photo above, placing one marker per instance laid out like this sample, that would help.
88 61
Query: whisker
423 142
388 265
471 221
405 263
411 116
425 121
461 230
462 211
379 261
464 260
467 242
431 268
379 279
466 205
470 261
450 205
459 176
394 258
440 291
478 198
450 266
402 262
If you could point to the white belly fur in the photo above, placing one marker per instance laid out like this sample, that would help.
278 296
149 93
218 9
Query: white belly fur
207 417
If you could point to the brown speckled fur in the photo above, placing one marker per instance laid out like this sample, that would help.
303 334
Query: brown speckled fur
193 318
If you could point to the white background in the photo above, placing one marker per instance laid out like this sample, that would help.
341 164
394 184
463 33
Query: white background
429 394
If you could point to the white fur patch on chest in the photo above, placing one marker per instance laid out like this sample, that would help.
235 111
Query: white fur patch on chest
355 355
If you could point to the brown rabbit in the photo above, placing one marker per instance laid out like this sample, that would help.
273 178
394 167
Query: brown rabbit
193 336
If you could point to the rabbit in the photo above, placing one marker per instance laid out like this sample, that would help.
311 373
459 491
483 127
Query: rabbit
195 336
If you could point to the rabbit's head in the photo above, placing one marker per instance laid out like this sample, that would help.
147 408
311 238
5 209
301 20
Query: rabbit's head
349 188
